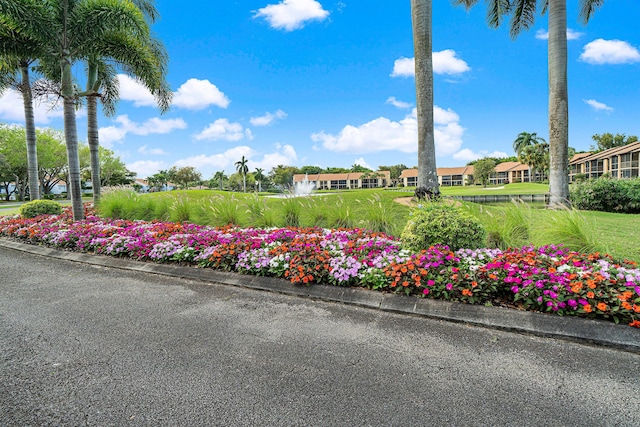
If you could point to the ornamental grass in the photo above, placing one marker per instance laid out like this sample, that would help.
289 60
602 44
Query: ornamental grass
549 279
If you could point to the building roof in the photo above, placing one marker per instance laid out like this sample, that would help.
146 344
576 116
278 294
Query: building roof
460 170
615 151
299 177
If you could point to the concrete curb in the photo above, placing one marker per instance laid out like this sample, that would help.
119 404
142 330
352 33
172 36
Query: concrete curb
569 328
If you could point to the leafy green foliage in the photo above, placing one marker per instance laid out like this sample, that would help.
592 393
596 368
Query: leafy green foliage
608 140
483 170
607 195
40 207
443 224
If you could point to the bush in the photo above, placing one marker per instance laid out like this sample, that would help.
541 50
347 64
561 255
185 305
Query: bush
444 224
607 195
40 207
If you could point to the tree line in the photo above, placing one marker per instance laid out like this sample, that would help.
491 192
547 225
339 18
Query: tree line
52 163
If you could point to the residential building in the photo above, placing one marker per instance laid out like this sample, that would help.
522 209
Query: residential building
505 173
617 162
344 181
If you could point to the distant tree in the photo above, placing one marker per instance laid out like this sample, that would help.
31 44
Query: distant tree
537 157
52 158
337 170
359 168
608 140
395 171
185 176
311 170
482 170
283 175
159 180
237 181
14 151
525 139
259 177
242 168
497 160
218 179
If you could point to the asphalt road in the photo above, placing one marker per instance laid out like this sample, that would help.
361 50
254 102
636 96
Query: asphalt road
84 345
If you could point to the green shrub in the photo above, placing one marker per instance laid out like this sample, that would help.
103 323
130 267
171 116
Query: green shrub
442 223
607 195
40 207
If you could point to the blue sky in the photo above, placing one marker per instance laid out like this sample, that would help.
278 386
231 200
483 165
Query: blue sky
329 83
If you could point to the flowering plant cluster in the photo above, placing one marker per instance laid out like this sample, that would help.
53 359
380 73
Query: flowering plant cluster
548 279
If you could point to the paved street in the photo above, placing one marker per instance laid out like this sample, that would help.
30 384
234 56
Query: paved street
86 345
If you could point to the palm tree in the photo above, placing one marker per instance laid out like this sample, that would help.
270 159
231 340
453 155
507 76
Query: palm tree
522 143
219 176
523 14
75 30
18 55
102 75
421 18
242 168
259 177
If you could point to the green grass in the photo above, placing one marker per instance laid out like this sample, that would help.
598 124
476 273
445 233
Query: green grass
617 234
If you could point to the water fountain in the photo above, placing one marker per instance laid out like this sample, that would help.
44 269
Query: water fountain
304 187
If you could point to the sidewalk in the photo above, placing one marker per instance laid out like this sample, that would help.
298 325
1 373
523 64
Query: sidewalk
568 328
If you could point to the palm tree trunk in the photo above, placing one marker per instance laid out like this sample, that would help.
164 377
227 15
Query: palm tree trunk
558 105
30 128
94 145
71 138
421 17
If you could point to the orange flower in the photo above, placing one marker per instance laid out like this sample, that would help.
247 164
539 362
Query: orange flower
467 292
636 308
591 284
602 306
587 308
635 323
590 294
626 305
405 283
474 284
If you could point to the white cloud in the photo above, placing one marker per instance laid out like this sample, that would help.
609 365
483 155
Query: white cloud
396 103
12 109
152 151
193 94
134 91
116 133
362 162
268 118
208 164
145 168
602 51
444 62
598 106
291 15
467 155
404 67
284 155
223 129
224 160
197 94
543 34
382 134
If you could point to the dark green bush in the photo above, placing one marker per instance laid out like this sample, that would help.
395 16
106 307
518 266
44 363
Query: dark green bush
607 195
442 223
40 207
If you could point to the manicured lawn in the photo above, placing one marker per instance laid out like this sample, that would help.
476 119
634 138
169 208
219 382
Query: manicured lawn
614 233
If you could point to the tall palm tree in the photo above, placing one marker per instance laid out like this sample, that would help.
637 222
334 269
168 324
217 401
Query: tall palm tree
523 13
102 84
421 18
73 30
522 143
18 55
242 168
259 175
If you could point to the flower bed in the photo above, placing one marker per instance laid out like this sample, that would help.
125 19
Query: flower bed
548 279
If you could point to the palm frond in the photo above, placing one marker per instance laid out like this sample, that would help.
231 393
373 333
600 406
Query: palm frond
588 8
524 15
